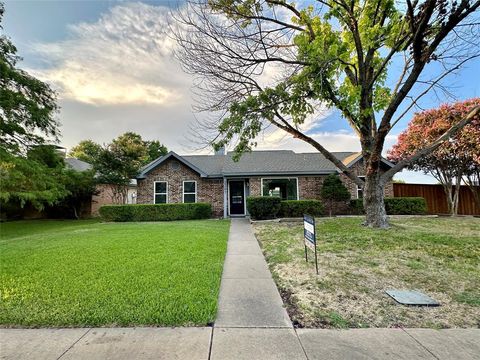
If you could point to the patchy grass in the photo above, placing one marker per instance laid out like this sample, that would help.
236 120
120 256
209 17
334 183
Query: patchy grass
439 256
85 273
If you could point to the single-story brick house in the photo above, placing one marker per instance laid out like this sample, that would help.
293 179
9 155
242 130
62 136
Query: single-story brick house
224 183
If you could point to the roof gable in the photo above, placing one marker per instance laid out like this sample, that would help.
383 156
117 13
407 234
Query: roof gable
149 167
351 160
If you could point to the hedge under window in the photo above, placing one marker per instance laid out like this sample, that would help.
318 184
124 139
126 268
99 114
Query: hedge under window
160 192
189 191
286 189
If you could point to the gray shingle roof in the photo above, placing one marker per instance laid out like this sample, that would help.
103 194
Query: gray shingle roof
210 164
77 165
271 162
280 162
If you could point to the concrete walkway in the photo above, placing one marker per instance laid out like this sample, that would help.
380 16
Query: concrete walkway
248 296
251 324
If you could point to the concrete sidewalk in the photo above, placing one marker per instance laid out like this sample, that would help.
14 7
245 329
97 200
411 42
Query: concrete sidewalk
238 343
251 324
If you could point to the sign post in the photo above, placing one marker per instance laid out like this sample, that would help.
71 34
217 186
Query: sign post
310 240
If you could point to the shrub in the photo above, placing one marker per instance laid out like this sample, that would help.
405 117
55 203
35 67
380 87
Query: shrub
356 206
296 208
406 206
396 206
156 212
263 207
334 191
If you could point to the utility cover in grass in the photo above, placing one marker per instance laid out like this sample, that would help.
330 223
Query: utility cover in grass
411 297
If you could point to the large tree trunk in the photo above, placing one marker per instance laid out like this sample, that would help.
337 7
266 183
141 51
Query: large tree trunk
373 196
373 203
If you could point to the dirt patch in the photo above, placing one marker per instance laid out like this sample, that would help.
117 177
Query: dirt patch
355 269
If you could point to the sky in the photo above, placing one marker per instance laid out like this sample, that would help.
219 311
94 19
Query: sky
112 65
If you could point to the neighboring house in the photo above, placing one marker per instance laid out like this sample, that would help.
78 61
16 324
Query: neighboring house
224 183
103 195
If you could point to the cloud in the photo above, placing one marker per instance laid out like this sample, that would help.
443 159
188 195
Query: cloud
123 58
118 74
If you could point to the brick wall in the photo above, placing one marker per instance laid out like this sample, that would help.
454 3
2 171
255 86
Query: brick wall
174 172
309 187
359 170
103 196
255 186
211 190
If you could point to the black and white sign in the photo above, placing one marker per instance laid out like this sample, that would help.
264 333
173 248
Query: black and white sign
309 231
310 239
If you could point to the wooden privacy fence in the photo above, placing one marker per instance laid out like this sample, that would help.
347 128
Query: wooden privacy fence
436 199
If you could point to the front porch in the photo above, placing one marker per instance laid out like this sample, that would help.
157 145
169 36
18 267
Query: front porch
237 189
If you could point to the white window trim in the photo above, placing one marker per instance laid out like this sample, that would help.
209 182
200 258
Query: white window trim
358 187
189 193
277 178
155 193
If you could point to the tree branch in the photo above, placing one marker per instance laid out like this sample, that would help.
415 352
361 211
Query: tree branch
300 135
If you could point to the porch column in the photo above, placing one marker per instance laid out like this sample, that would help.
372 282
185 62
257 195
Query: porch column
225 197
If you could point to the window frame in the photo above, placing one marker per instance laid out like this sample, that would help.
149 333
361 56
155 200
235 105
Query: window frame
155 191
189 193
359 189
279 178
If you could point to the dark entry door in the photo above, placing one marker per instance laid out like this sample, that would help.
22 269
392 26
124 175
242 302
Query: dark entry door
237 198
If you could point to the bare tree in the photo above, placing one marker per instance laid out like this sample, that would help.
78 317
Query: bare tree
330 52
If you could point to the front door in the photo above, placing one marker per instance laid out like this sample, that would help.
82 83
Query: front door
237 197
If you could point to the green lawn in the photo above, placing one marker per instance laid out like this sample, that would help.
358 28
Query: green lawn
439 256
86 273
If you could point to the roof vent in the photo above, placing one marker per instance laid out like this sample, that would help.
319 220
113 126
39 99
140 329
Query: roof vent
174 165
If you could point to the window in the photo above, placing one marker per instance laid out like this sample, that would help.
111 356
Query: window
160 192
359 189
284 188
189 191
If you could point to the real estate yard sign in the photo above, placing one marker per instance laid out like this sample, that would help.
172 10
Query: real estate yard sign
309 237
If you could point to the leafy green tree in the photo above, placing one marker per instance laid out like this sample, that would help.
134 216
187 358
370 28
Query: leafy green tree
80 185
43 180
24 180
334 191
89 151
119 161
155 150
86 150
27 105
29 171
47 155
274 62
131 149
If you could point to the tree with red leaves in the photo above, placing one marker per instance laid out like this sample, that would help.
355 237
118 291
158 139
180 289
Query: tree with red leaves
455 159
